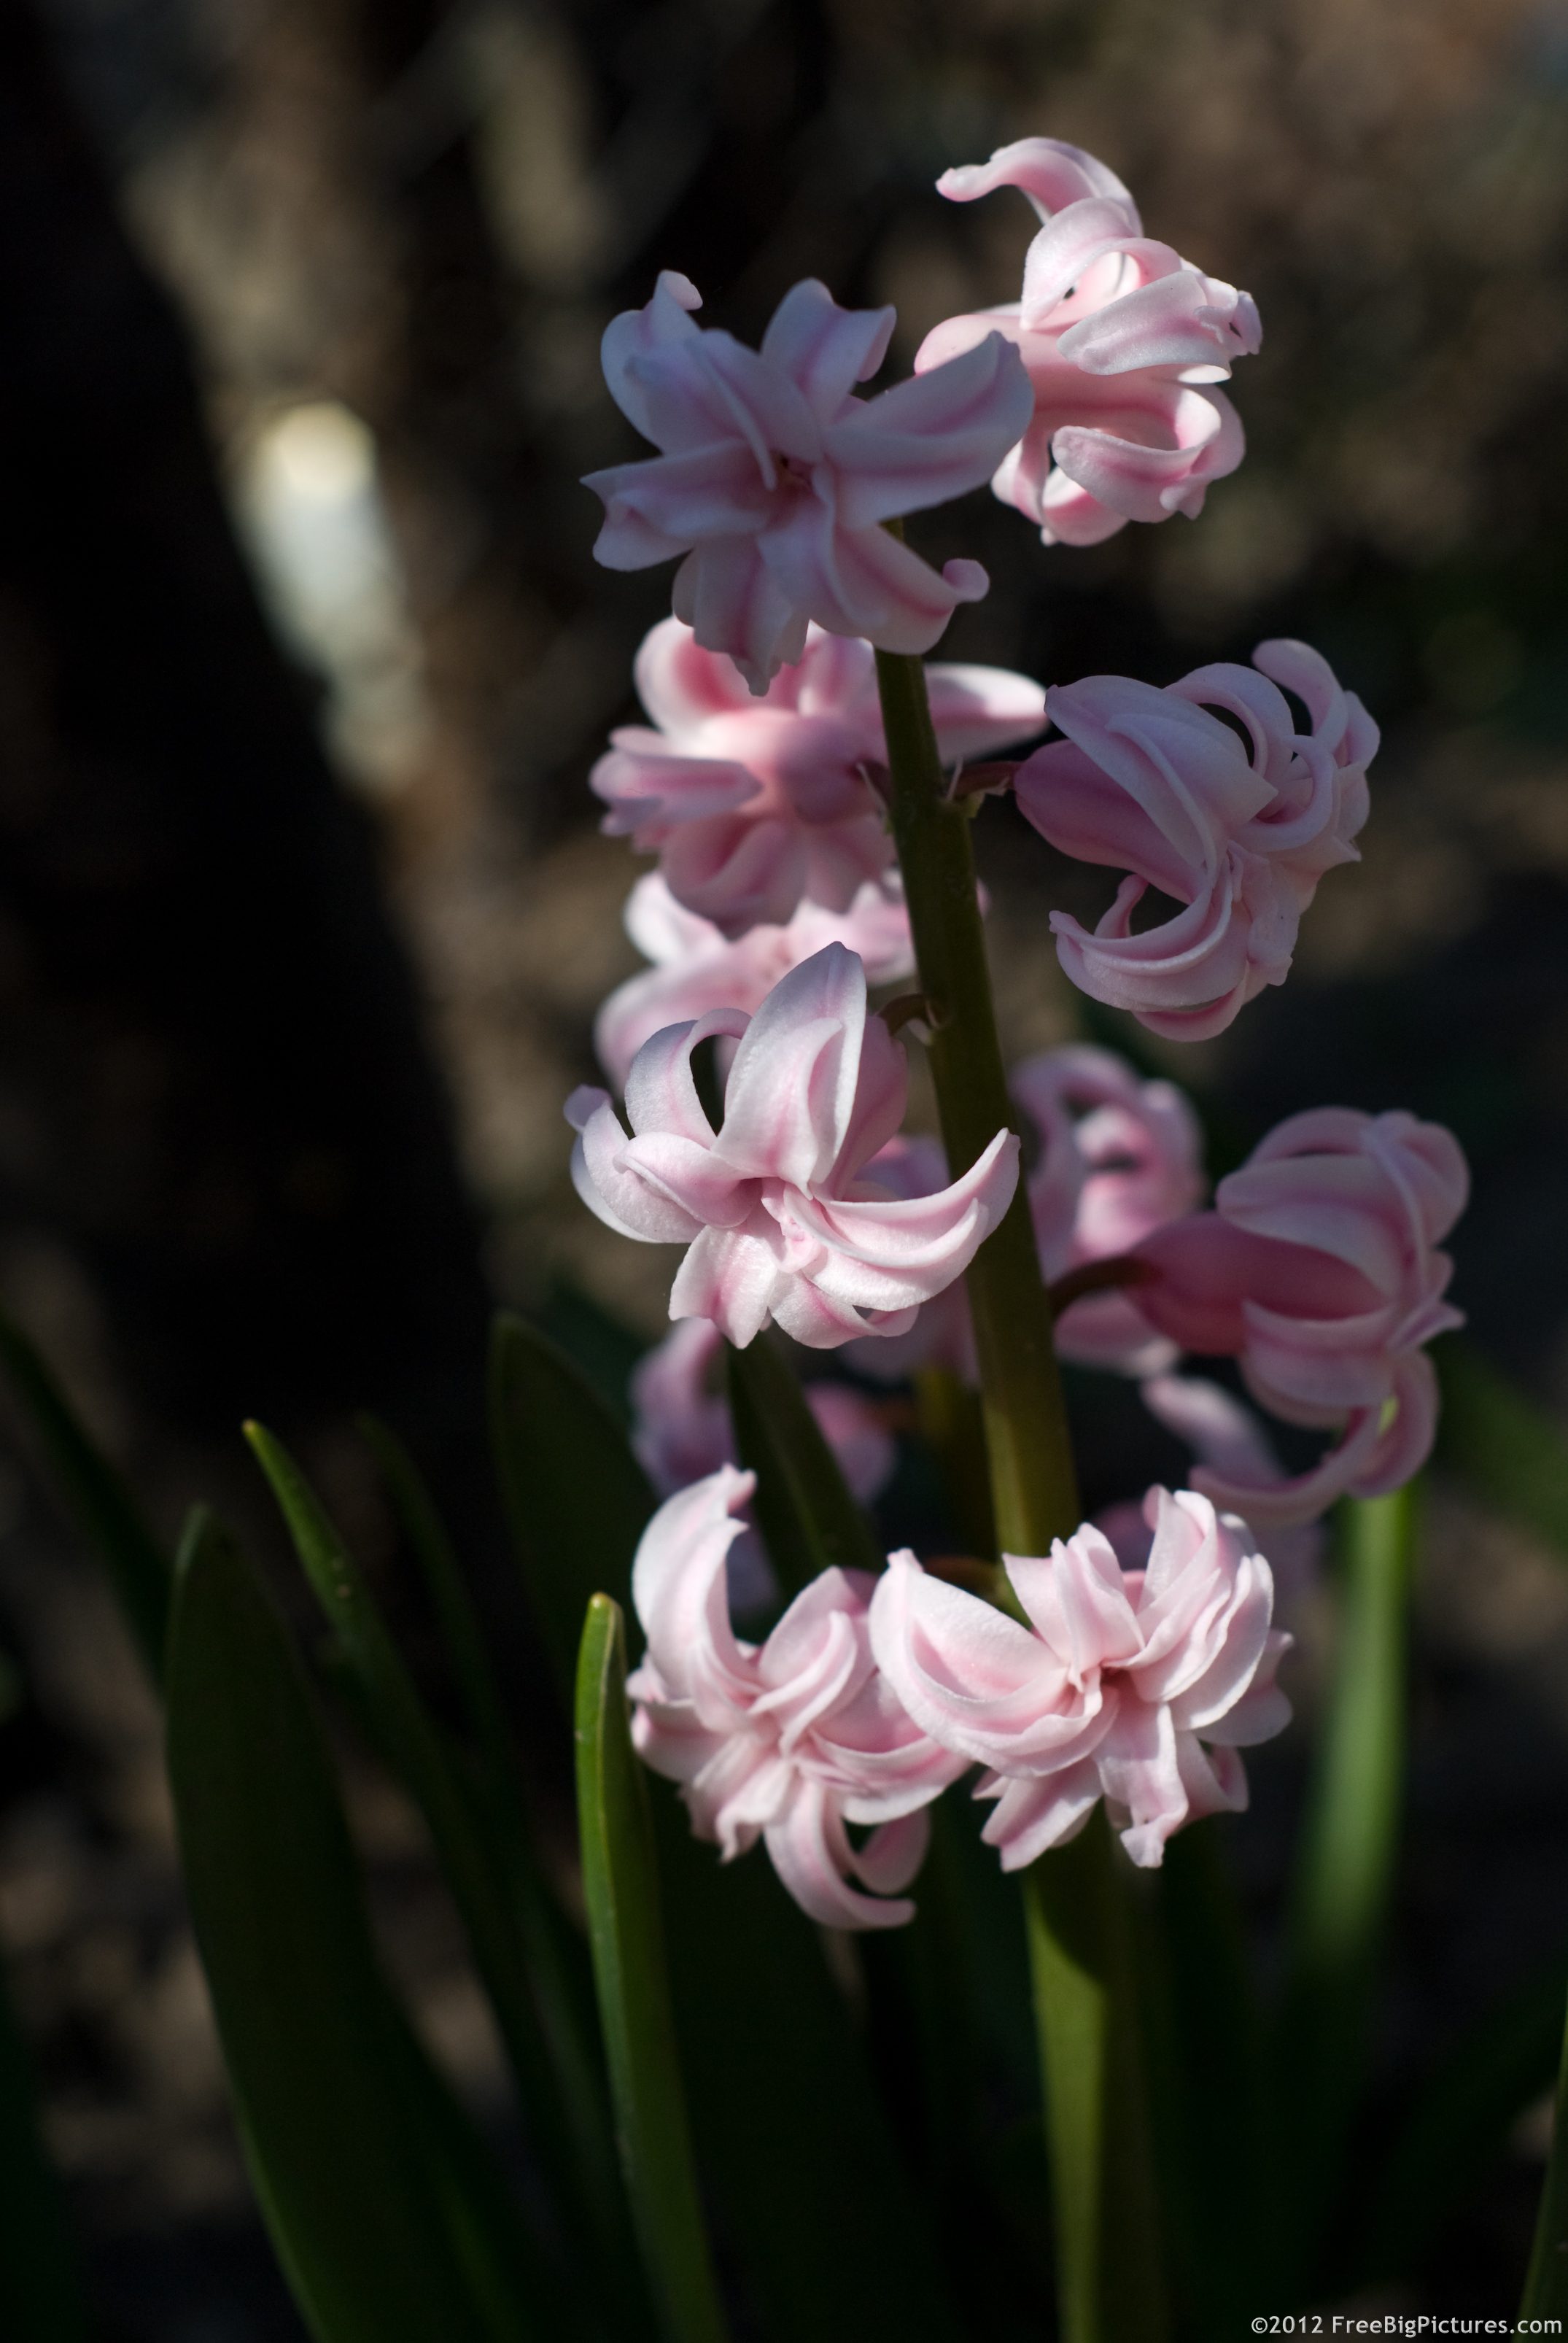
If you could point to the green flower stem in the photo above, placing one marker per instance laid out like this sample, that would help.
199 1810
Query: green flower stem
1108 2278
1033 1485
1085 1994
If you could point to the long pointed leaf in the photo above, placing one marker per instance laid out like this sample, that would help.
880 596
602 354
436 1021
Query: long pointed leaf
40 2288
1345 1881
137 1566
462 1636
557 2078
620 1888
314 2063
577 1498
809 1520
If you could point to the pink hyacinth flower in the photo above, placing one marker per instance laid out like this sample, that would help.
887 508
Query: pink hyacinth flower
789 1741
1137 1686
681 1425
697 969
755 805
779 1220
774 479
1118 1157
1239 831
1223 1433
1317 1271
1123 341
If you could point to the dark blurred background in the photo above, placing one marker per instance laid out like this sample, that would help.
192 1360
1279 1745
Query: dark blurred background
303 914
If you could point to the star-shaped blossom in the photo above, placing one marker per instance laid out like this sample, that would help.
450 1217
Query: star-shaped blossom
790 1741
779 1216
1238 822
1123 341
1138 1686
757 806
774 479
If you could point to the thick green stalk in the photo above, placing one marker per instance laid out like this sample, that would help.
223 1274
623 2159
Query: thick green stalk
1085 1995
1032 1479
1109 2282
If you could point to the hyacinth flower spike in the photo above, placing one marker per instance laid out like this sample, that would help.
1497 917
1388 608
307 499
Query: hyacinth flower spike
790 1741
780 1221
774 479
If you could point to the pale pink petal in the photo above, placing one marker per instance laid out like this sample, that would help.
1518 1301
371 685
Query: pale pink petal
1049 171
607 1188
1034 1812
824 349
811 1852
730 1276
791 1089
932 437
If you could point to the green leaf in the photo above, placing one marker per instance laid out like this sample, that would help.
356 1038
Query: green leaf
137 1566
1546 2283
799 2155
620 1889
40 2288
809 1520
557 2079
462 1636
1496 1436
577 1498
1344 1880
316 2067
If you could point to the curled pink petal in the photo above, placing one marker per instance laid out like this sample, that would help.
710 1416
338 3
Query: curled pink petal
780 1221
773 477
1121 337
1238 829
757 806
1113 1689
791 1740
1319 1270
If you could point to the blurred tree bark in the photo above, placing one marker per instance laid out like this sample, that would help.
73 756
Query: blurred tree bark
214 1085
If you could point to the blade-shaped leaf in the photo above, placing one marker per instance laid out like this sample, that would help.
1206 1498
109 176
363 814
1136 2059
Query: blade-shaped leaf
462 1636
1545 2294
315 2063
555 2069
1497 1437
137 1566
809 1520
620 1889
1344 1882
577 1498
40 2289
